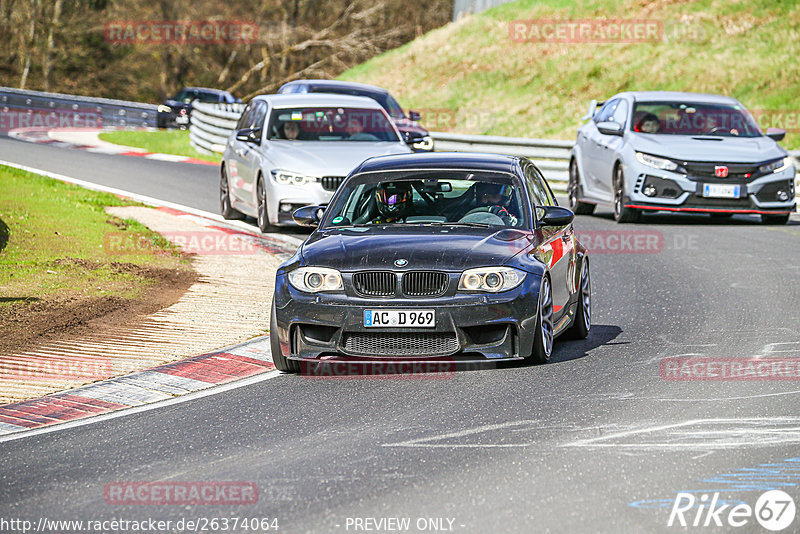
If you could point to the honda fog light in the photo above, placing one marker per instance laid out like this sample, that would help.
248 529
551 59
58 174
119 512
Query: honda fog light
650 190
782 195
316 279
491 279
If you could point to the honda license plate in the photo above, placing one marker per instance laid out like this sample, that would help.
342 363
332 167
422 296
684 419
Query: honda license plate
721 190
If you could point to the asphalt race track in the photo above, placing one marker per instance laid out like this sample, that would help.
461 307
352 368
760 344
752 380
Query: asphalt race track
596 441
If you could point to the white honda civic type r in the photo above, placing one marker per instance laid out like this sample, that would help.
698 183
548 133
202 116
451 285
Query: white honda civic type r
290 151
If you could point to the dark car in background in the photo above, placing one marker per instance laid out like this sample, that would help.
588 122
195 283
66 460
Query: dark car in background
175 111
415 135
455 256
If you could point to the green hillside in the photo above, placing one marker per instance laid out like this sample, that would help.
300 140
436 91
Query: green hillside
472 77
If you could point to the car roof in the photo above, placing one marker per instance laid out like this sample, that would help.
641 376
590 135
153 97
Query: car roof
319 99
661 96
441 160
340 84
205 89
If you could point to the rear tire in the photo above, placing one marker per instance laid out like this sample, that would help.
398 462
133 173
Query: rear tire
774 219
574 190
281 363
583 312
225 199
543 339
263 215
621 213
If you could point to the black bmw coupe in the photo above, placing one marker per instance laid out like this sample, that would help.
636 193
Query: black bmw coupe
456 256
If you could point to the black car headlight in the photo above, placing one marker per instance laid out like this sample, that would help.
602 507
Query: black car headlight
491 279
316 279
663 164
776 166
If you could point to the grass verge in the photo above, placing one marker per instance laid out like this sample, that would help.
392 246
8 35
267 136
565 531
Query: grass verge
472 77
162 141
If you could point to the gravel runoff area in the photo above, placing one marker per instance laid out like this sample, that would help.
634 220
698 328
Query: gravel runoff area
228 304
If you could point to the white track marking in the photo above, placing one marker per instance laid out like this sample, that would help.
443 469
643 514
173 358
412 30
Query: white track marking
151 201
424 442
144 408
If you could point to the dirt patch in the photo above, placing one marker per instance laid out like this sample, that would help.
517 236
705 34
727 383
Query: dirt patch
36 321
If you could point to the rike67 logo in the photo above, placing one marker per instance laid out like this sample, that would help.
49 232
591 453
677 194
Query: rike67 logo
774 511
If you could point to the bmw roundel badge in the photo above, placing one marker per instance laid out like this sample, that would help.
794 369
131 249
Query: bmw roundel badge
401 262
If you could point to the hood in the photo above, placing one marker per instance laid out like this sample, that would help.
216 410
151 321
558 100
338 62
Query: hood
407 125
709 148
425 247
327 158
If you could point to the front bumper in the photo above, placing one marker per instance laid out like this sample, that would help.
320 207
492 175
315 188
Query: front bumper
684 193
469 327
283 200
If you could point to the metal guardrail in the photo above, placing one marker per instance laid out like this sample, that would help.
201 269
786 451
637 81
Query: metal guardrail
119 113
210 125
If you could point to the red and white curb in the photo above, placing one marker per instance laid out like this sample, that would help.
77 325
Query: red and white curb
154 385
86 139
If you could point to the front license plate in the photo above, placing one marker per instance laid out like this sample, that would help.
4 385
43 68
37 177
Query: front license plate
720 190
182 119
400 318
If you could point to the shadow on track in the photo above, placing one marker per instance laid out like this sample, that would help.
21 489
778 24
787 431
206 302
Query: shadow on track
599 335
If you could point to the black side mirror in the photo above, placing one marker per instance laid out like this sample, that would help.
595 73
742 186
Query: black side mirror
609 128
776 134
556 215
412 137
249 135
309 215
414 115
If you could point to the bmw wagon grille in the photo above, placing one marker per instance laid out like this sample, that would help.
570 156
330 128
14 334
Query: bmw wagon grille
401 343
424 284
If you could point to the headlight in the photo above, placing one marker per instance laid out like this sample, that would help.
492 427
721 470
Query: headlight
163 108
776 166
316 279
426 143
491 279
292 178
658 163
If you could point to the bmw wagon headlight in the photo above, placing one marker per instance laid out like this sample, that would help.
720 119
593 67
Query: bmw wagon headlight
292 178
316 279
776 166
659 163
491 279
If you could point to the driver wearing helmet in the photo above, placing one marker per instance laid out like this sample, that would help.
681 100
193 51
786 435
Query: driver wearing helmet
394 201
495 198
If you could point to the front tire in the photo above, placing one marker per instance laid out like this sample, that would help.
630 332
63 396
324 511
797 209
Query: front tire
280 361
263 216
775 219
573 192
543 339
225 207
621 213
583 312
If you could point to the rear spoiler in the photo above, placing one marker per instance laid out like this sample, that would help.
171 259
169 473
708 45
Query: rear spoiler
594 105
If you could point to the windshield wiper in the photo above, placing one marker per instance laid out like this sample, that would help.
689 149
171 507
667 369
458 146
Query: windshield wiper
472 224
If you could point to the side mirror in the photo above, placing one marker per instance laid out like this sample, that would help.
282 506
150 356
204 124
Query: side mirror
414 115
309 215
556 216
412 137
249 135
776 134
609 128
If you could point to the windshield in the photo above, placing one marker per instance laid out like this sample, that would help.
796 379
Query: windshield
384 99
188 95
684 118
331 124
429 197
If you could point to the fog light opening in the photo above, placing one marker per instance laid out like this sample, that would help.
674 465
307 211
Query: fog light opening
650 190
286 208
782 195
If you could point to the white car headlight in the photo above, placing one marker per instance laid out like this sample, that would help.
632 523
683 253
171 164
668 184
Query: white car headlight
292 178
776 166
491 279
656 162
316 279
163 108
425 143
